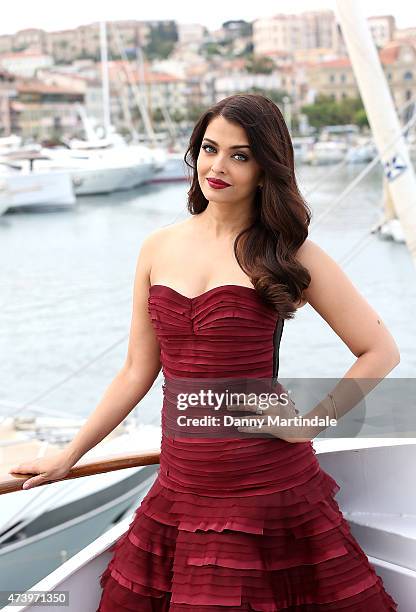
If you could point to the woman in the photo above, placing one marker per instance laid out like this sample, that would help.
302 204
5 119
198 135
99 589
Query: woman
248 522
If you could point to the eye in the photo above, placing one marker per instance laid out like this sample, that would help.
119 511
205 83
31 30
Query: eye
205 147
245 158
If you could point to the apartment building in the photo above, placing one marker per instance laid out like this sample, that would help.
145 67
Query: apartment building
25 63
83 41
43 110
191 33
283 32
336 79
159 90
7 94
382 29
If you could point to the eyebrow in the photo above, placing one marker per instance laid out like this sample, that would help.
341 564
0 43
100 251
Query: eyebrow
245 146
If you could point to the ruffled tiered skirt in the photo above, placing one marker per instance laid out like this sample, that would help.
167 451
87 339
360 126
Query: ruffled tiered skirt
242 524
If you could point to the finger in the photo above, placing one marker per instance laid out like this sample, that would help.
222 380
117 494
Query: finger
241 407
33 482
24 469
250 408
15 470
250 429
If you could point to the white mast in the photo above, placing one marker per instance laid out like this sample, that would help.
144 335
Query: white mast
381 115
138 92
105 79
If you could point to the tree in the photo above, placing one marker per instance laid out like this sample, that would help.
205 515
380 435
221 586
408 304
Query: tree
326 111
259 65
195 111
276 95
162 40
210 49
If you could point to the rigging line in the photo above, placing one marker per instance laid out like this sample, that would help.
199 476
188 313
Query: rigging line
361 243
362 174
62 381
341 164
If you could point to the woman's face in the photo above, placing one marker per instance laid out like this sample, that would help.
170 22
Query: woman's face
225 156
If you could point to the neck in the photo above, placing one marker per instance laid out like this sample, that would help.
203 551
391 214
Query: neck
222 221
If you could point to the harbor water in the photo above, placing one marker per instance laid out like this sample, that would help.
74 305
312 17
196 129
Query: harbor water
67 281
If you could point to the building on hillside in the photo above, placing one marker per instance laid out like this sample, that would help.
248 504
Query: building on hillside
382 28
286 32
6 43
31 38
405 34
45 111
7 95
399 64
237 82
191 33
333 78
25 63
336 79
159 90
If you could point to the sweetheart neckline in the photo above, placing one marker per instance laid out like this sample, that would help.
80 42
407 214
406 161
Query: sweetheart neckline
191 299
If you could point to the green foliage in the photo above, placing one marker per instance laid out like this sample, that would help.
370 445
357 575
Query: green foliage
360 118
326 111
194 111
276 95
162 40
210 49
157 115
259 65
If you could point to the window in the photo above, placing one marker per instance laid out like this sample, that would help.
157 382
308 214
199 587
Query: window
408 76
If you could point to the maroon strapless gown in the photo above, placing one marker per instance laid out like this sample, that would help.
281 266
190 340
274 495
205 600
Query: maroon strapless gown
235 524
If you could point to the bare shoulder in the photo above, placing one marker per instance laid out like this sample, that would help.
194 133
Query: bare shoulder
324 271
307 256
310 253
164 235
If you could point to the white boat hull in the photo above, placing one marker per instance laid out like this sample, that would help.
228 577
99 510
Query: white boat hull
55 545
373 474
41 189
102 171
90 182
173 170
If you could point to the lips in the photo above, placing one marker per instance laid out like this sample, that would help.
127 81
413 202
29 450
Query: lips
217 184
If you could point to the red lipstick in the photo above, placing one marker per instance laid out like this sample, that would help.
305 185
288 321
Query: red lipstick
217 183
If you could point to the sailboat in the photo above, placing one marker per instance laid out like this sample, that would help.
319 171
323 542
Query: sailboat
107 163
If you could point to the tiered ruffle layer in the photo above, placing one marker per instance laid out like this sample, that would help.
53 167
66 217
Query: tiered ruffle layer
290 549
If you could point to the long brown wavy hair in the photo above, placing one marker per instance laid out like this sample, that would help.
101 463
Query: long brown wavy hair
266 249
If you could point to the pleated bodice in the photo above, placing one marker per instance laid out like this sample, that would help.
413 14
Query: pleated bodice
226 331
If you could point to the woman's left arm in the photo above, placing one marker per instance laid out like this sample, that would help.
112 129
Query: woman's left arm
335 298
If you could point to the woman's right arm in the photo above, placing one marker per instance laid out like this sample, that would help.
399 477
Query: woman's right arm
129 386
138 373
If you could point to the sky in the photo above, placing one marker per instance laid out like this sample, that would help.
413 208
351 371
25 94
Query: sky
54 15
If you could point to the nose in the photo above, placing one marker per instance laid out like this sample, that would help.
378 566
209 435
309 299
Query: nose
218 165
